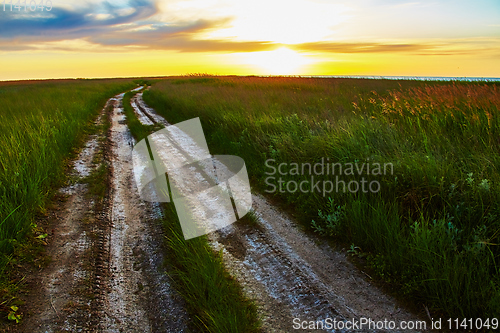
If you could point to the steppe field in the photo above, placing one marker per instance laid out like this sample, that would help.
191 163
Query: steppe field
372 198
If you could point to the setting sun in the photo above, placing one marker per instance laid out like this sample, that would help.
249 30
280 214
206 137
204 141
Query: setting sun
282 61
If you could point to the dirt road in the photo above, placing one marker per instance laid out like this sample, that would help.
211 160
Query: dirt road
106 273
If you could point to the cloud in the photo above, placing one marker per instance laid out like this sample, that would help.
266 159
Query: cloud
443 47
113 29
180 37
77 22
140 25
338 47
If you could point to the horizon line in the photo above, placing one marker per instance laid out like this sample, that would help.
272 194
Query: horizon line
372 77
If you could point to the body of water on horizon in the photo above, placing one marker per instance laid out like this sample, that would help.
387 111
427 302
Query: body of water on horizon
418 78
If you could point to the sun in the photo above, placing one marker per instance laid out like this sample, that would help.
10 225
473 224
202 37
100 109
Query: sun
282 61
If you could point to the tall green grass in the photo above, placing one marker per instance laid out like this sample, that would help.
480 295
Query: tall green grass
214 298
41 124
434 226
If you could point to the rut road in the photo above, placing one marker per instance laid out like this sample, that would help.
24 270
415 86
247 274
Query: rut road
107 272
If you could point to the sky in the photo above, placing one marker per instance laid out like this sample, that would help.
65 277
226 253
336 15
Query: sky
115 38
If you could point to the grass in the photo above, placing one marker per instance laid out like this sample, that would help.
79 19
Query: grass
214 299
41 125
138 130
433 227
97 180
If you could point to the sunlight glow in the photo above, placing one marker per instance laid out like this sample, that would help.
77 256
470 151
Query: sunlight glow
288 22
95 38
282 61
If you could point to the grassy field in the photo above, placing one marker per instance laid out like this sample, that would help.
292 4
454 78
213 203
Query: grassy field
432 227
41 124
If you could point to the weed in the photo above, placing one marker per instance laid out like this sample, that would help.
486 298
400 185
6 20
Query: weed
13 315
331 221
354 250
